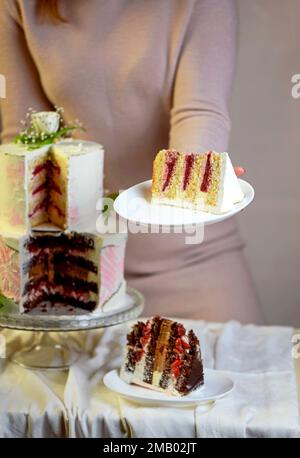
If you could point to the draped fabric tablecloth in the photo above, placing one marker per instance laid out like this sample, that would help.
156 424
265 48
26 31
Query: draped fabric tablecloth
75 403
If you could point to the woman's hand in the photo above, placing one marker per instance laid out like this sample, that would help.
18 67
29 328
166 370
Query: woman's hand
239 171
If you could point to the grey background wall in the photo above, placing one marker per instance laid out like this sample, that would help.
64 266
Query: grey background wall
266 139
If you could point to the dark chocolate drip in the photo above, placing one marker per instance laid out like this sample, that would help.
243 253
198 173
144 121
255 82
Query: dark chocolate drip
191 376
196 378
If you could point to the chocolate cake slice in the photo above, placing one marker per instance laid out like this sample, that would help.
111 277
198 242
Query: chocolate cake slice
162 356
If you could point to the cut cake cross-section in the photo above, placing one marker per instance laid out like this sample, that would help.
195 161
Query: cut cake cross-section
199 181
162 356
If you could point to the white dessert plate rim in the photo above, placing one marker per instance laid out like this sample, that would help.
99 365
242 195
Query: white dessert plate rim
134 204
216 386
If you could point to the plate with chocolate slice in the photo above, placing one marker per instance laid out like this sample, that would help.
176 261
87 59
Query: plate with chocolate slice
162 364
216 386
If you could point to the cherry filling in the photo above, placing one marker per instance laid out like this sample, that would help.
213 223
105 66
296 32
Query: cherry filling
58 210
170 164
55 188
41 206
180 348
134 342
207 174
48 185
39 168
138 339
189 163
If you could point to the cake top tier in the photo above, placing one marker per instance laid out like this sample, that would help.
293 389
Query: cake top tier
68 146
49 180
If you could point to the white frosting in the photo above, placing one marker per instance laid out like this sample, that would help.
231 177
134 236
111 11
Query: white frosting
230 190
85 185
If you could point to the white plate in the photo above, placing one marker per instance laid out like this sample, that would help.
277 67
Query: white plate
135 205
215 387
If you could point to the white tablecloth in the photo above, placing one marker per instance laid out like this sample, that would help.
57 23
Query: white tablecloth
75 403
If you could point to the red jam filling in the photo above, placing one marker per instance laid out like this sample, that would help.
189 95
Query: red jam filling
207 174
39 168
189 163
40 188
39 207
170 164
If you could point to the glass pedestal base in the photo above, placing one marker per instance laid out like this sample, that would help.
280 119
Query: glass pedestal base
45 353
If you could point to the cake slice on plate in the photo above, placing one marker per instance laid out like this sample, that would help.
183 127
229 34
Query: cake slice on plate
162 356
200 181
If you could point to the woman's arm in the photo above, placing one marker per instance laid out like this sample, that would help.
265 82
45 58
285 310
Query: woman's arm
23 87
199 118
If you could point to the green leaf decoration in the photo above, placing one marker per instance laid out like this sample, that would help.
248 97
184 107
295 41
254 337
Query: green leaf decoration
5 302
39 140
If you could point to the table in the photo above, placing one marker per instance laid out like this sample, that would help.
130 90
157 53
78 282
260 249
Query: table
75 403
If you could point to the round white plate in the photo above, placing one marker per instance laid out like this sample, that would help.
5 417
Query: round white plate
135 205
215 387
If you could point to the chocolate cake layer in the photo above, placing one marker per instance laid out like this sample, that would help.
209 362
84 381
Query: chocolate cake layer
134 342
60 258
72 241
34 284
74 283
40 259
60 298
191 375
149 362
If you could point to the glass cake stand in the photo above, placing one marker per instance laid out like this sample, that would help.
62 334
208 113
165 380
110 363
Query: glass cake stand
45 352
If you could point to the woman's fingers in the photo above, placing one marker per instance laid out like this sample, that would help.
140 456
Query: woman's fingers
239 171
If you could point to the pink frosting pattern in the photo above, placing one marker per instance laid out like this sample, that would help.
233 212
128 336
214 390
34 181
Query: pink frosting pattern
9 271
112 270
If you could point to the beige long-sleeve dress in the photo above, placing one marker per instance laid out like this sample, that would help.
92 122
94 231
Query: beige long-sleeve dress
140 75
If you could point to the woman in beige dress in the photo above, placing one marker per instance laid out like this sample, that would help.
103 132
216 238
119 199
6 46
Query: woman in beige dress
140 75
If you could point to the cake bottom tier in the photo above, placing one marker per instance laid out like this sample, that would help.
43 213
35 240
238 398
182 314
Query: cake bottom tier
82 270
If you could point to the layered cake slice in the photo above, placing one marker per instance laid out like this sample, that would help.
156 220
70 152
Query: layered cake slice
162 356
204 181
